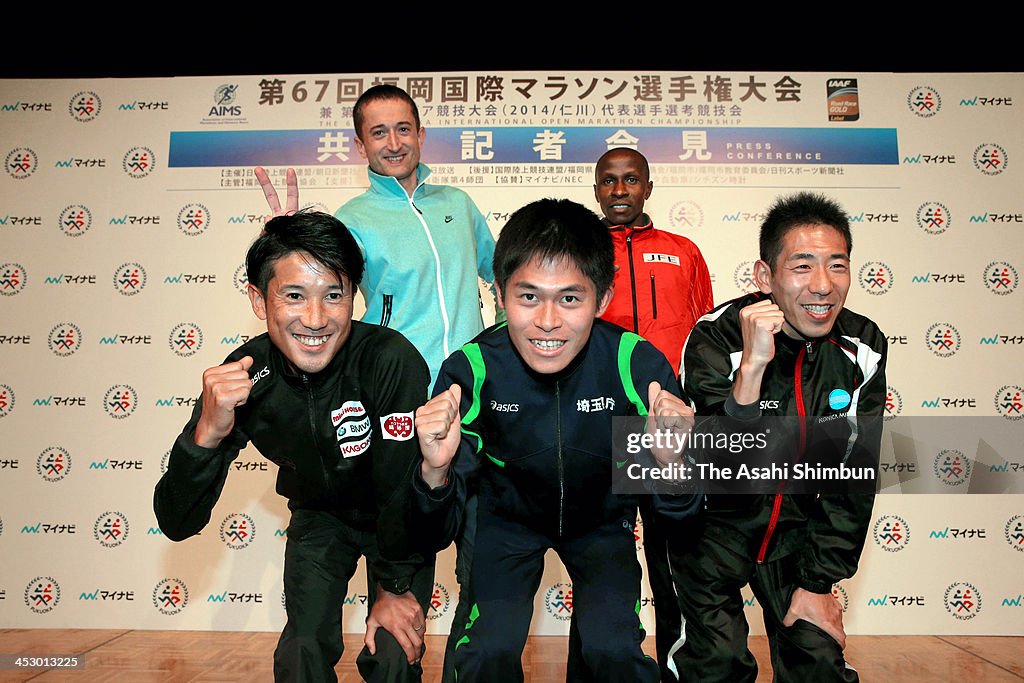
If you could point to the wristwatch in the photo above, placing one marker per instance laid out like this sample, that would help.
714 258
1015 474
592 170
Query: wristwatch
396 586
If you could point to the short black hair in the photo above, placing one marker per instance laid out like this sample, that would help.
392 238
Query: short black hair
644 165
383 91
554 229
793 211
321 235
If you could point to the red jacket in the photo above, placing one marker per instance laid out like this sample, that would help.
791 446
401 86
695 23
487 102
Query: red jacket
662 287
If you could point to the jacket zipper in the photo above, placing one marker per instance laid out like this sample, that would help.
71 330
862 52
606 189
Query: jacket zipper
632 281
561 465
802 412
312 427
654 299
437 275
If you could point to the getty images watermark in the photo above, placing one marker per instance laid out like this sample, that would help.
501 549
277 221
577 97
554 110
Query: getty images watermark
835 454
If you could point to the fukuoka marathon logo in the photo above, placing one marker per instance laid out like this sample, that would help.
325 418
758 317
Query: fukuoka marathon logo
743 276
64 339
75 220
129 278
839 593
891 533
12 279
138 162
85 106
164 460
6 400
193 219
942 339
686 215
21 162
934 218
990 158
238 531
952 467
170 596
1009 402
110 529
120 401
558 601
875 278
53 464
1000 278
185 339
924 101
1014 532
962 600
42 594
893 403
240 280
440 602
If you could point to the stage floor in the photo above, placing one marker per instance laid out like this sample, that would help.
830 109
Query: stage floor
181 656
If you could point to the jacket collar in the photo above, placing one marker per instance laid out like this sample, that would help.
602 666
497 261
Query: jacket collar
390 187
648 225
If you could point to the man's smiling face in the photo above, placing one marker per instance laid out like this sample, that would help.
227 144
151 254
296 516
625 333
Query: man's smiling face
809 279
390 140
622 185
551 306
308 311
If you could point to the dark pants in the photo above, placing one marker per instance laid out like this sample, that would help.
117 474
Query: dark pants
508 562
667 620
319 559
463 565
708 579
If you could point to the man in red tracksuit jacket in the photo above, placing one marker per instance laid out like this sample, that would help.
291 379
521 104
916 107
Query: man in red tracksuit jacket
662 287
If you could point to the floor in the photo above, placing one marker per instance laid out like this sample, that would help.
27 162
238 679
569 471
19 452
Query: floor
185 656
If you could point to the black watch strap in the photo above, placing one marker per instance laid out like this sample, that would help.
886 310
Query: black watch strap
396 586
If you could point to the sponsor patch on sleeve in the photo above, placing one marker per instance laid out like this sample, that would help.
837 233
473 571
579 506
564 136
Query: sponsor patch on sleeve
397 426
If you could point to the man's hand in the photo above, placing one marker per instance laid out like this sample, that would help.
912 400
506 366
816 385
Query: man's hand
668 413
402 617
820 609
291 205
225 387
438 428
759 324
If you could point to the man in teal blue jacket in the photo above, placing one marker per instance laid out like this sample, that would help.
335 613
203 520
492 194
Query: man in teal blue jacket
424 244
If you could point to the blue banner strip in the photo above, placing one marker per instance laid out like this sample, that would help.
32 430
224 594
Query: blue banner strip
547 145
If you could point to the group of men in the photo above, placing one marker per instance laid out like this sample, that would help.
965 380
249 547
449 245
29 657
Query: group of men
503 458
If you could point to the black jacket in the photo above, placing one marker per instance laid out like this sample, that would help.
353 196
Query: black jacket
326 432
541 445
827 530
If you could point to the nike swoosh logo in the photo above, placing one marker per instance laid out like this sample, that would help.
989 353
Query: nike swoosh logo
449 219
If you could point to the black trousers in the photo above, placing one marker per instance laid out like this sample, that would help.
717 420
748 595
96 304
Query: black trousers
708 579
508 562
319 560
667 619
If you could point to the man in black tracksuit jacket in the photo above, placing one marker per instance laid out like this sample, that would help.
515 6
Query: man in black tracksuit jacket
789 350
331 402
536 396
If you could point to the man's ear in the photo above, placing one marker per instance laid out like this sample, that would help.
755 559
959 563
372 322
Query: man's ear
360 147
258 301
763 276
602 305
497 291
